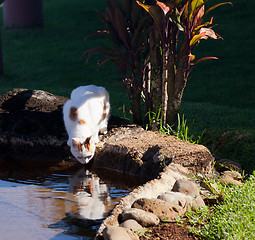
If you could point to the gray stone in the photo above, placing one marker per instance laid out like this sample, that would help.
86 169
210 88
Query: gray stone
231 177
116 233
197 202
131 224
226 164
134 226
142 217
212 187
132 234
177 198
189 188
186 186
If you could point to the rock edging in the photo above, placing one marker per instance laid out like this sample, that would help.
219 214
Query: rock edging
132 206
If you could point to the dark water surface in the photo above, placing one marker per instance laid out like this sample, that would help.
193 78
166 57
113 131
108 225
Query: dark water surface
56 207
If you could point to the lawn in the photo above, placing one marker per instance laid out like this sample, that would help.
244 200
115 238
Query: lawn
219 96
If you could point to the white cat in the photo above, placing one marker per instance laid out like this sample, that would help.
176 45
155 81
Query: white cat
85 115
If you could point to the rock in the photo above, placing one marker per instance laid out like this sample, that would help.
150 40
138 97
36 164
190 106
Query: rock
145 153
211 187
234 174
151 189
159 207
231 177
132 234
31 125
134 226
186 186
177 198
142 217
226 164
116 233
197 202
131 224
189 188
29 112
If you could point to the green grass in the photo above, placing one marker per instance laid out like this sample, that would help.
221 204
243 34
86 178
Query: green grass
230 220
219 95
49 58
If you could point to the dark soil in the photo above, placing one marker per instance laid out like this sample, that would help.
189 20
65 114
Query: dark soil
167 231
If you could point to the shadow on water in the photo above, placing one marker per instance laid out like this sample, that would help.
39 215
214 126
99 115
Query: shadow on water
66 205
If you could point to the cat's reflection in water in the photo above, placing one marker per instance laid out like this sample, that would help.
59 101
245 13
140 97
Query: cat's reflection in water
92 195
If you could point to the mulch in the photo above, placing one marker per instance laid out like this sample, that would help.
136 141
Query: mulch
167 231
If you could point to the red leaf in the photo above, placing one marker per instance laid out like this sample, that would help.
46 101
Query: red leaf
203 59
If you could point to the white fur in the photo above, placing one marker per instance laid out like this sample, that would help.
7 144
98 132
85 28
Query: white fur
90 101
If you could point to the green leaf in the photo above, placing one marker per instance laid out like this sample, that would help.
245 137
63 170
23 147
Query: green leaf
191 8
196 38
176 18
204 25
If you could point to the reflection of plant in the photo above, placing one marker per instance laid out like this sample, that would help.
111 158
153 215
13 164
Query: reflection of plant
154 55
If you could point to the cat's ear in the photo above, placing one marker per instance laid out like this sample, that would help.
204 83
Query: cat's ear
75 142
87 143
88 139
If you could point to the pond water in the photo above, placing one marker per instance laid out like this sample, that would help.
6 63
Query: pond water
57 207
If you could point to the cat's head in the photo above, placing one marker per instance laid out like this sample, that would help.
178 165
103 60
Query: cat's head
83 149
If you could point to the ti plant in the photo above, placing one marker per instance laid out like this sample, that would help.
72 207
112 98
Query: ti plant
127 29
153 51
179 23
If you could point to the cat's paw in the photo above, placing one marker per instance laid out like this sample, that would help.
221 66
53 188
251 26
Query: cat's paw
103 130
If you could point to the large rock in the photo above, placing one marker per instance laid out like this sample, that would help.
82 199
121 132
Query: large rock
146 153
31 125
